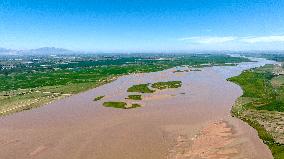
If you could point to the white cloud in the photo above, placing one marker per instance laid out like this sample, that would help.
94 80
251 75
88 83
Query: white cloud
208 39
235 39
262 39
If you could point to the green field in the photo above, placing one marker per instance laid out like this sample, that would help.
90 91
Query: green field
262 104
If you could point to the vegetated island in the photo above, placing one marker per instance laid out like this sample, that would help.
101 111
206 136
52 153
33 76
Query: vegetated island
134 97
262 104
29 81
99 98
186 70
177 71
144 88
166 85
140 88
121 105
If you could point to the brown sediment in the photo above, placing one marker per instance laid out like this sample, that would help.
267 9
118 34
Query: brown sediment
215 141
77 127
38 150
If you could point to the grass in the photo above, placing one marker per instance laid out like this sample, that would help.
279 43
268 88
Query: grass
26 99
115 104
134 97
166 85
121 105
277 149
99 98
254 84
140 88
262 98
257 83
135 105
144 88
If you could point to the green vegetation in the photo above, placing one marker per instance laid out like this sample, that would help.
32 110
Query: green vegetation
276 148
115 104
140 88
135 97
178 71
121 105
99 98
257 84
135 105
165 85
56 71
262 104
144 88
29 81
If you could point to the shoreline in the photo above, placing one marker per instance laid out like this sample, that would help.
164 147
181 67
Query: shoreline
18 109
265 135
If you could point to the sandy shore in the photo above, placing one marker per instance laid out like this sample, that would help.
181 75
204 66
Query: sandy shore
189 122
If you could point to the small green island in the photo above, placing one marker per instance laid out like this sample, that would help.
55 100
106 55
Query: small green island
188 70
177 71
166 85
134 97
140 88
144 88
135 105
121 105
99 98
115 104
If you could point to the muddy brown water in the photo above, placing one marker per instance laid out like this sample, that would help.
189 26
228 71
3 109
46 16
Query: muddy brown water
79 128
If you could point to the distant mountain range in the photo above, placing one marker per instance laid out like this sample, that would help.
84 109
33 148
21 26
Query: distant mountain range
39 51
3 50
58 51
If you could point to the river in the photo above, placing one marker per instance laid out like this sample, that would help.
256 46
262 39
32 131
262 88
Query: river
189 122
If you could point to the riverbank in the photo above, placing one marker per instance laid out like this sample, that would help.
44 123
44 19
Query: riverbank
261 104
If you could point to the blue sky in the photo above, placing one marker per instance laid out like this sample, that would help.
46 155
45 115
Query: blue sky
143 25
